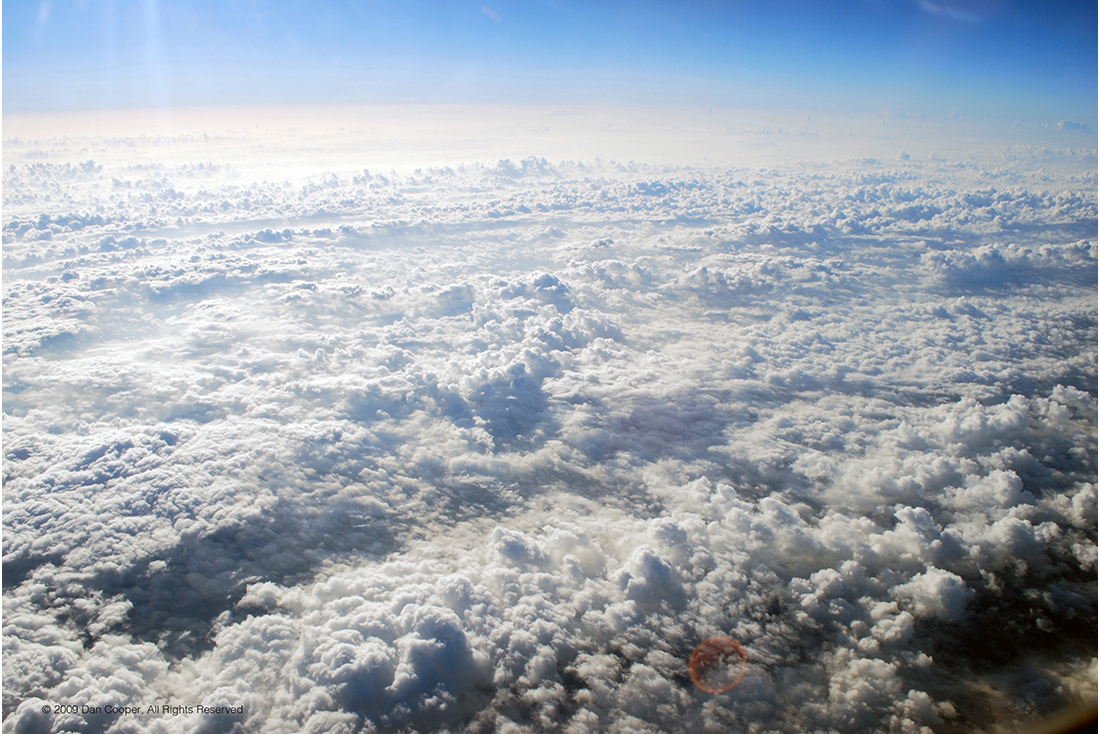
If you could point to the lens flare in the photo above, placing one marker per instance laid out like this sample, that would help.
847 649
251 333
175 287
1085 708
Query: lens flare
718 664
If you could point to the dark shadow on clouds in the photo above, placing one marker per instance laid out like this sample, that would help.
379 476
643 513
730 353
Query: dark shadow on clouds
178 596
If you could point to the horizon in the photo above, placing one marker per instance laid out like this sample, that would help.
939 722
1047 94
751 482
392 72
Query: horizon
345 139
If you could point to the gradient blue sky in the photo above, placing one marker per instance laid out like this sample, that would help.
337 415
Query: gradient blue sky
1036 62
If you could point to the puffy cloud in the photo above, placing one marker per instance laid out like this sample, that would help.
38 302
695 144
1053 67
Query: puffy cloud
1002 266
935 593
493 448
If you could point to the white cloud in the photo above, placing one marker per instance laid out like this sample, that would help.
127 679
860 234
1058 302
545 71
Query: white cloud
494 447
936 593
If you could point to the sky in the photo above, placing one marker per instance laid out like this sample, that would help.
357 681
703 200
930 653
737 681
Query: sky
979 57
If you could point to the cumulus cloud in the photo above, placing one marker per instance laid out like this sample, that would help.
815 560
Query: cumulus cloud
1074 126
492 448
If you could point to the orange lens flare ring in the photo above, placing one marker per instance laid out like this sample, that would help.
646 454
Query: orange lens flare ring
718 664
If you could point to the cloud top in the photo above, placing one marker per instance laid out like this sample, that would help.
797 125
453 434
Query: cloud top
495 448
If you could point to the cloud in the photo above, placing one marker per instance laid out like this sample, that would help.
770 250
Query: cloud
1002 266
967 12
1074 126
935 593
494 447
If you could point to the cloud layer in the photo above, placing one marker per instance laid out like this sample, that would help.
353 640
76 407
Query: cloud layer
492 448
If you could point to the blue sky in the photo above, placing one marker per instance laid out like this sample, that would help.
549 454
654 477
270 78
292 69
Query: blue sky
1031 61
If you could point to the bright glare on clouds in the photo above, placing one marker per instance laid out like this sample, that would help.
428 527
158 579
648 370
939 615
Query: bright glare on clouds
491 442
